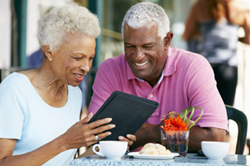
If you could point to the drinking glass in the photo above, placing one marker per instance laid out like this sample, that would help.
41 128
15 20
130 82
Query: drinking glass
175 141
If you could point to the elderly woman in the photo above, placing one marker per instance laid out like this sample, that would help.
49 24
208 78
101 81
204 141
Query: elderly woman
40 108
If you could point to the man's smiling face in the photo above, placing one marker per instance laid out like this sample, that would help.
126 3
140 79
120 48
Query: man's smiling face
145 52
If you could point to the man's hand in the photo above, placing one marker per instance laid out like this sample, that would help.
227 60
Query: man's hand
129 138
198 134
171 114
147 133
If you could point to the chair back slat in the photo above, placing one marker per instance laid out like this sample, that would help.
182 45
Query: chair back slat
241 120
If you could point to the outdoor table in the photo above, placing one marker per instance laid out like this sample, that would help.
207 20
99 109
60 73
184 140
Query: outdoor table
190 160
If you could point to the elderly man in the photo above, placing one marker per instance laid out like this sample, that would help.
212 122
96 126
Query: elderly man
175 78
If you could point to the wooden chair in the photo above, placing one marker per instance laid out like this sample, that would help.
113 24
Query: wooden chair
240 118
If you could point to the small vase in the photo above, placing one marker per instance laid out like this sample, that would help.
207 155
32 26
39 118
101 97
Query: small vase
176 141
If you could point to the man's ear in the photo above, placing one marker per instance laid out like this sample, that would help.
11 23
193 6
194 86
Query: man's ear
47 52
168 39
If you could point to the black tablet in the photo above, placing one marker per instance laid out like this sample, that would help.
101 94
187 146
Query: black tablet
128 113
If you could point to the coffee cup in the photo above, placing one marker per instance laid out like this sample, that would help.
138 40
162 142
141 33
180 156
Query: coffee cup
111 149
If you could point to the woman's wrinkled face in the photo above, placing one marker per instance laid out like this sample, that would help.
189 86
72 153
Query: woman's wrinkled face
145 52
74 59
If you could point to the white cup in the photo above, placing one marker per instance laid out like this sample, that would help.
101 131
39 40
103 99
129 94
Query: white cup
111 149
215 150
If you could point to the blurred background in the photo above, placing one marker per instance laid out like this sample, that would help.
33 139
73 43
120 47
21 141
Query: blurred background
18 28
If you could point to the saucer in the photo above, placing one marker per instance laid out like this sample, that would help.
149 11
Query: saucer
151 156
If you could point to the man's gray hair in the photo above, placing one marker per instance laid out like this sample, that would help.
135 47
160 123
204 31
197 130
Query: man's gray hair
145 12
67 19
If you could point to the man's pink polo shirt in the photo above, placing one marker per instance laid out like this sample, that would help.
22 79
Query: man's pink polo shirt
188 80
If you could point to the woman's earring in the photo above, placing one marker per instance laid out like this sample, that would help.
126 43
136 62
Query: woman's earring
50 59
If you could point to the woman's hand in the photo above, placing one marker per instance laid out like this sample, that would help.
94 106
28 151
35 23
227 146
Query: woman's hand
83 134
129 138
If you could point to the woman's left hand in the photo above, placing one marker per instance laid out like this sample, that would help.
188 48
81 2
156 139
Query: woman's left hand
129 138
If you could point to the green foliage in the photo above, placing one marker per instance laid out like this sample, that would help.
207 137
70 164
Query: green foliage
190 110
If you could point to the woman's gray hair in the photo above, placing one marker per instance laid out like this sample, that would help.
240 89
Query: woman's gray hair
69 18
145 12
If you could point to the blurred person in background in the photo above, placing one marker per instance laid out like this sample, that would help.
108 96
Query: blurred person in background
212 30
35 59
40 108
